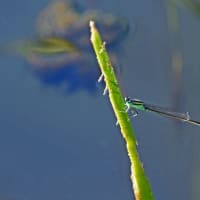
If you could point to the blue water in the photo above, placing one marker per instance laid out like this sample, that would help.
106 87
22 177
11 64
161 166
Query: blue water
59 146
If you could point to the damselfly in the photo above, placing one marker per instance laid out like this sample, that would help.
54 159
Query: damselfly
135 104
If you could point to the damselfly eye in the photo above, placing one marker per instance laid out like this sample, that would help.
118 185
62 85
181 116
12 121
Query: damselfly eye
127 99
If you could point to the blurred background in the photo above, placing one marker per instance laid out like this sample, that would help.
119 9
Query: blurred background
58 138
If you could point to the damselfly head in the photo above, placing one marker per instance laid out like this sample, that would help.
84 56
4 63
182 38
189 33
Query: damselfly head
127 99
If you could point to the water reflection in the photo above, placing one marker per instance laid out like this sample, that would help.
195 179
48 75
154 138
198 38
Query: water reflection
62 53
175 27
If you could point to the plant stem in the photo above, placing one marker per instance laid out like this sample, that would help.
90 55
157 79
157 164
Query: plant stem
141 185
